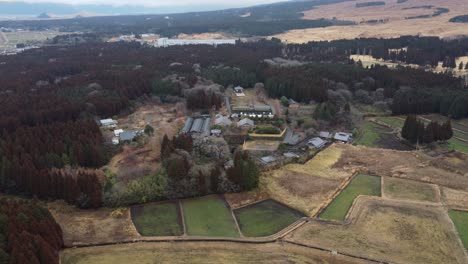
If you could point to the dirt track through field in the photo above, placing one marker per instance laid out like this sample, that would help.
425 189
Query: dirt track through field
3 39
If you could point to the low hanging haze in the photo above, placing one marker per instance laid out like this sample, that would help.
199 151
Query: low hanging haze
118 7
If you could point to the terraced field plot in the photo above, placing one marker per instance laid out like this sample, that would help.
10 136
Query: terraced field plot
361 185
158 219
209 216
305 187
265 218
394 232
409 190
460 219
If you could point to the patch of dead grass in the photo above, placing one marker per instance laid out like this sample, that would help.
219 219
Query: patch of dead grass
92 226
409 190
388 231
206 252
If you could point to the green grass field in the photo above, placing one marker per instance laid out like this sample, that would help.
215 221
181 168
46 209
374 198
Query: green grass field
391 121
265 218
460 219
370 135
361 185
209 216
157 219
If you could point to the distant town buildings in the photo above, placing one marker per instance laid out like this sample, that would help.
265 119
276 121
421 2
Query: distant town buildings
166 42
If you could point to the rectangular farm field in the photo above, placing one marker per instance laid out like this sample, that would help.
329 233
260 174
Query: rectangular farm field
209 216
361 185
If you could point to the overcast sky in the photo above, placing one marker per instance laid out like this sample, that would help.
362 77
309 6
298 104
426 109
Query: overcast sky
155 2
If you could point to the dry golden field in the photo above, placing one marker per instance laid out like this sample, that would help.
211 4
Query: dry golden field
395 23
391 231
204 252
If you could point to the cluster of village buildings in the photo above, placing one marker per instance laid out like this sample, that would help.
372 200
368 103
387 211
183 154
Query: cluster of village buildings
120 135
242 117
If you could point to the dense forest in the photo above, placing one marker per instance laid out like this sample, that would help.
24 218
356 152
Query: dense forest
367 4
408 49
51 145
415 131
459 19
28 233
262 20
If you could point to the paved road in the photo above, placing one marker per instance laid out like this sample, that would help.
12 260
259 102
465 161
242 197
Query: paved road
3 39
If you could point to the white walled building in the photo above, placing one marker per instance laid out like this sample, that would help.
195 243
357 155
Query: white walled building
166 42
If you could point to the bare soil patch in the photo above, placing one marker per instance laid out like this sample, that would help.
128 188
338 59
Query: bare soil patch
236 200
206 252
261 145
92 226
394 232
454 198
134 161
393 16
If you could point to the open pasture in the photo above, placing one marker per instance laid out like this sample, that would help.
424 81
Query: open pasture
384 21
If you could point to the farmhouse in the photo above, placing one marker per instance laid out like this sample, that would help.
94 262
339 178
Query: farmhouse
316 142
223 121
325 135
343 137
268 159
130 135
293 104
108 123
290 155
117 132
257 109
239 91
216 132
246 123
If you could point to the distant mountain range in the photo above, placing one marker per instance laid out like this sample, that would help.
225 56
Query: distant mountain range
11 9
